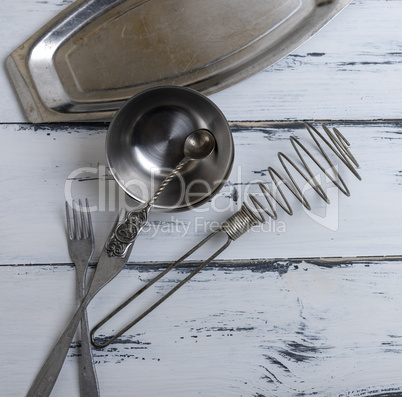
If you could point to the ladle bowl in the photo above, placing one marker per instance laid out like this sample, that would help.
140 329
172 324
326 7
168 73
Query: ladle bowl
145 142
199 144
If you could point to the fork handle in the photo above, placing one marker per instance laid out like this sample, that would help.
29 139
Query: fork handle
48 374
89 386
106 270
89 381
108 267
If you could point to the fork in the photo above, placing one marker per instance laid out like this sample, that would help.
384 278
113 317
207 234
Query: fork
111 262
81 247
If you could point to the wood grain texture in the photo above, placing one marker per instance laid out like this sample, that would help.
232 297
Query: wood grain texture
280 329
50 165
350 70
257 322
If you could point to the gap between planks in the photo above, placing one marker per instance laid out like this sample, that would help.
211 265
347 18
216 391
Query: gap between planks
267 264
299 123
232 123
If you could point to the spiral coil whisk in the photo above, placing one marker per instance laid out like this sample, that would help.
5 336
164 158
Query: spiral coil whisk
254 211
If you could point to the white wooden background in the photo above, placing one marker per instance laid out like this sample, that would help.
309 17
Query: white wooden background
309 306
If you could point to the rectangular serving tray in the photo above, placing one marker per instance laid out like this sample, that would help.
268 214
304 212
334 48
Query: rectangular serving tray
87 61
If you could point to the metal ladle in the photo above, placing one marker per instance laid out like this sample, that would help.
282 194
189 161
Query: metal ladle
145 141
198 145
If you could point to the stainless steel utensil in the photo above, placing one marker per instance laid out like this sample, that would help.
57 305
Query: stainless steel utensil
93 56
81 246
107 268
244 219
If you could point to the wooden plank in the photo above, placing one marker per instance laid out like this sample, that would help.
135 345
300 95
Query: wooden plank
49 164
301 310
350 70
285 329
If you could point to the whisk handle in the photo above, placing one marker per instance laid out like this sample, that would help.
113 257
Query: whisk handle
103 342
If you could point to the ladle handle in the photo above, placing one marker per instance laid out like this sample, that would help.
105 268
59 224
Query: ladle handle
167 180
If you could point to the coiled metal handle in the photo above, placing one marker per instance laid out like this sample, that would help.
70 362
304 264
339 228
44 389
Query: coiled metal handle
255 211
239 223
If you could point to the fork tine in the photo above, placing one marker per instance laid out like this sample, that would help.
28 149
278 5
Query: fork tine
90 231
83 226
80 227
69 230
77 234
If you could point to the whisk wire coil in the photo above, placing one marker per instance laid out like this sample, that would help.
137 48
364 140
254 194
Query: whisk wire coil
339 147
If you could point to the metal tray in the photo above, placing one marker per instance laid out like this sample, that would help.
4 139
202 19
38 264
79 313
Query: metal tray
85 63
